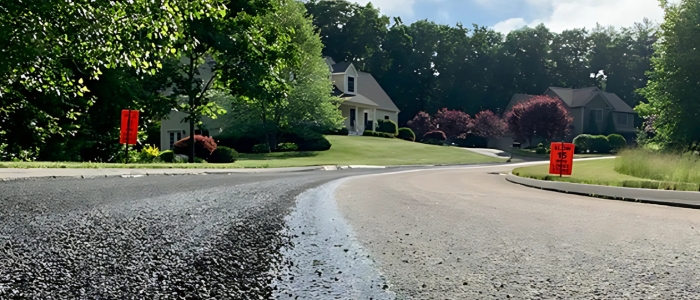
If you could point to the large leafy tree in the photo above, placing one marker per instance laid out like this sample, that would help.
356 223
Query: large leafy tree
541 116
453 123
488 124
674 84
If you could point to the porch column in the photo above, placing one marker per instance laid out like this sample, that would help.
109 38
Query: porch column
357 118
374 120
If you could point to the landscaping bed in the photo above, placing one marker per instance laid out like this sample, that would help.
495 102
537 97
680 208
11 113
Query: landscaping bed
602 172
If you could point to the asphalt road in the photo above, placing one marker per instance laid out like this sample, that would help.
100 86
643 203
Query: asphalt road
436 234
469 234
155 237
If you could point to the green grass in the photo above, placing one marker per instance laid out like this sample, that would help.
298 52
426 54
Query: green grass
602 172
346 150
655 165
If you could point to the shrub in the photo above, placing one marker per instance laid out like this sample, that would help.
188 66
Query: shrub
583 143
541 150
149 154
318 144
377 134
435 135
407 134
282 147
388 126
261 148
167 156
203 146
540 145
617 142
223 155
341 131
600 144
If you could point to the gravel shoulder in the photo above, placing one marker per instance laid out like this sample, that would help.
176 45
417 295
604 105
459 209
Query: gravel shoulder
469 234
162 237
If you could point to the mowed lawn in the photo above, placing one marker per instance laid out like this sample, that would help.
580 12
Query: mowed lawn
600 172
345 150
364 150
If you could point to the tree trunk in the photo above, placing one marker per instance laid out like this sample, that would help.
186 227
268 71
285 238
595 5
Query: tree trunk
191 142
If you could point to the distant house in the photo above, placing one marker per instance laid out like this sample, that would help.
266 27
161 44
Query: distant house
594 112
364 101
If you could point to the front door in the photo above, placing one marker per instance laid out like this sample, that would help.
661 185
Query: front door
352 117
368 125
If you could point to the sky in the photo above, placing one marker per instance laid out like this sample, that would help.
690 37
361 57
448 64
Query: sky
507 15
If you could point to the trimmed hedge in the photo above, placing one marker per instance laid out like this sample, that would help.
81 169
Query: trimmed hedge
282 147
223 155
377 134
319 143
388 126
407 134
600 144
341 131
436 137
203 146
617 142
261 148
583 143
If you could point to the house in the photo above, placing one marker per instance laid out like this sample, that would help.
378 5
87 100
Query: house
364 100
593 111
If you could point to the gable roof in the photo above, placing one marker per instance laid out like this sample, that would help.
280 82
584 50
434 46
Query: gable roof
359 99
617 103
370 88
578 98
341 67
517 98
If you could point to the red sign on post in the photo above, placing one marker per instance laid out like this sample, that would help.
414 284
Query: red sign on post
130 127
561 159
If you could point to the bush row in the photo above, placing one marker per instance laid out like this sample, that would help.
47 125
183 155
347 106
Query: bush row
377 134
599 143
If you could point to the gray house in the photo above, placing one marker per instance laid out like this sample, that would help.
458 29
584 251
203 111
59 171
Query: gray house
594 112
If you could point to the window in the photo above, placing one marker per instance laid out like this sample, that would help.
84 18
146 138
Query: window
598 115
351 84
622 119
386 117
174 136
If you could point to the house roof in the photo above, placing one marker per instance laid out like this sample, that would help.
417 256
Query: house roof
581 97
341 67
517 98
359 99
370 88
617 103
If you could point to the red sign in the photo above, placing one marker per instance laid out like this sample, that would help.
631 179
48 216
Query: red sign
561 158
130 126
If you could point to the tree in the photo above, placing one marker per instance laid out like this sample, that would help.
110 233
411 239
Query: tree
309 104
421 124
541 116
453 123
488 124
674 84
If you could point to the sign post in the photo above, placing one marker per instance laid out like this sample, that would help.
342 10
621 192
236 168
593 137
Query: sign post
129 129
561 159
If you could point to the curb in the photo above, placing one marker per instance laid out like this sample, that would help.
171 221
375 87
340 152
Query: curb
663 197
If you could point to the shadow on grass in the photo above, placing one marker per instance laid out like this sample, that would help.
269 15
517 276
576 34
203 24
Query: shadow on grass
276 155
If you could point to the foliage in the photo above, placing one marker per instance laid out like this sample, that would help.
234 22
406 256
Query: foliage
434 137
223 155
453 123
617 142
488 124
673 89
541 116
541 150
600 144
149 154
341 131
203 146
167 156
407 134
282 147
674 167
319 143
388 126
378 134
421 123
261 148
583 143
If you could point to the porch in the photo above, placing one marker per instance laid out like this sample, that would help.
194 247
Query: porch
359 116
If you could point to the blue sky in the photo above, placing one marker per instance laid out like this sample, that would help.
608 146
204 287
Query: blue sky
506 15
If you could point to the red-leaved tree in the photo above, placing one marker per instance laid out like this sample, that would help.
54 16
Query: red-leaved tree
488 124
453 123
541 116
421 124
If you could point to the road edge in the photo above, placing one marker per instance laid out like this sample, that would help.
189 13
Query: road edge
662 197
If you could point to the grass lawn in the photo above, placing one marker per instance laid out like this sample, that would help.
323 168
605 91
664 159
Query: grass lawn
532 153
601 172
346 150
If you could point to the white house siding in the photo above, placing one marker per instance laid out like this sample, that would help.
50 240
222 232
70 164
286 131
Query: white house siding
173 124
394 116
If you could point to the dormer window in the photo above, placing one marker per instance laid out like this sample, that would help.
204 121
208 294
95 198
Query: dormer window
351 84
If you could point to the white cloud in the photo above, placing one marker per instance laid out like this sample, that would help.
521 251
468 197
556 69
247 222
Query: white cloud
402 8
559 15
